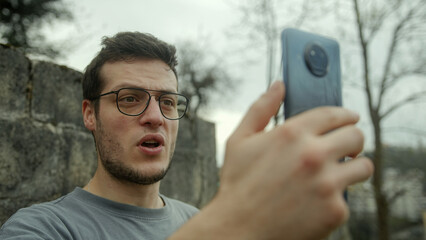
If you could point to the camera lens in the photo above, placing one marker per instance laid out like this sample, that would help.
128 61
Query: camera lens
316 59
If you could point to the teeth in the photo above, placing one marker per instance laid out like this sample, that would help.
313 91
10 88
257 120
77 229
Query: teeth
150 142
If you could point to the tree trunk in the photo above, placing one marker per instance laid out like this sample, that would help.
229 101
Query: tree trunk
380 197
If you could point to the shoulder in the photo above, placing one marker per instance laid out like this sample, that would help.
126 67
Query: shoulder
48 220
34 222
44 210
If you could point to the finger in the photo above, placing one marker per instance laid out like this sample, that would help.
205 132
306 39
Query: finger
354 171
261 111
345 141
324 119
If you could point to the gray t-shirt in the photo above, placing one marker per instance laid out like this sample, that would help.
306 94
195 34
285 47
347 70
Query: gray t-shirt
82 215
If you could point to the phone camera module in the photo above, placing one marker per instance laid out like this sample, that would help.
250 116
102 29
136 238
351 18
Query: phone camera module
316 59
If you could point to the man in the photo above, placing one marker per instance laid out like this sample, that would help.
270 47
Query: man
285 183
132 108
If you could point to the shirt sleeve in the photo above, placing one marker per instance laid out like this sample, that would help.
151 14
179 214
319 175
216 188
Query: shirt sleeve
32 223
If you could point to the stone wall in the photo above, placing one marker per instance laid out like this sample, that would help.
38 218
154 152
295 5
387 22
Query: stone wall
46 152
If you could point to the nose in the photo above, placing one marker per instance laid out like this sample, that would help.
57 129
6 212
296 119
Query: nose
152 115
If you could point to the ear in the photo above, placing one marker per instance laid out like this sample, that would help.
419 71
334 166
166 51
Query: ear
89 115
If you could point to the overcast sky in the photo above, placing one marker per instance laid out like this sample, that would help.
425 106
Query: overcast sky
177 20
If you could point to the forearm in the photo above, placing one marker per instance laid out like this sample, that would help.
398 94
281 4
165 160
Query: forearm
215 221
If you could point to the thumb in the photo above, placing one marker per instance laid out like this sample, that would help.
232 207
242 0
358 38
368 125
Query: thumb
261 111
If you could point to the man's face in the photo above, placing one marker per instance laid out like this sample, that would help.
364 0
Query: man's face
135 149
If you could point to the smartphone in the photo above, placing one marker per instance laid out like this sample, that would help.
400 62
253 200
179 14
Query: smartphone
311 71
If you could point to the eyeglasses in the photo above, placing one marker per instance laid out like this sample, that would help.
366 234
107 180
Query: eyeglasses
134 101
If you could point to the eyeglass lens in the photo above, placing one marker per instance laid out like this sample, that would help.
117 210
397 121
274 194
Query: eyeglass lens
135 101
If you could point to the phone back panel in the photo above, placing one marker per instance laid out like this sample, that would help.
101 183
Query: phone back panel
304 90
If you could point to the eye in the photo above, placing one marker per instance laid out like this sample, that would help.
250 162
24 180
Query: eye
128 99
167 102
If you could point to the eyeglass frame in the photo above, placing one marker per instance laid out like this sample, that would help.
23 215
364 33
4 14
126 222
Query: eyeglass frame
147 103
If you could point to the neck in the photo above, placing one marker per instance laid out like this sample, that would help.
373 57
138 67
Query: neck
106 186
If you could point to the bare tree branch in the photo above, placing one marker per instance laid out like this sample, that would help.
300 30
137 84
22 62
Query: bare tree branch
391 54
377 19
355 85
403 74
399 104
270 32
364 48
304 12
409 130
202 75
396 195
373 20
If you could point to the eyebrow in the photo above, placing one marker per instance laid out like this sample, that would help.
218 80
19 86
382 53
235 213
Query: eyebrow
127 85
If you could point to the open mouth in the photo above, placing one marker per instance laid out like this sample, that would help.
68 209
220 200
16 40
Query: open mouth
150 144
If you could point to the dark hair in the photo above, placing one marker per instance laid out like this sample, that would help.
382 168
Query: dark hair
125 46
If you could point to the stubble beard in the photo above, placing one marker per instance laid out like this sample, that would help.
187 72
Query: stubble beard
109 150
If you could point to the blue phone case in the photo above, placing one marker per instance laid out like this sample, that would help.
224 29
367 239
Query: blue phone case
310 82
311 71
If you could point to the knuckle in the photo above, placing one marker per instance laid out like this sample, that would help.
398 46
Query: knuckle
338 213
326 187
313 156
291 132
